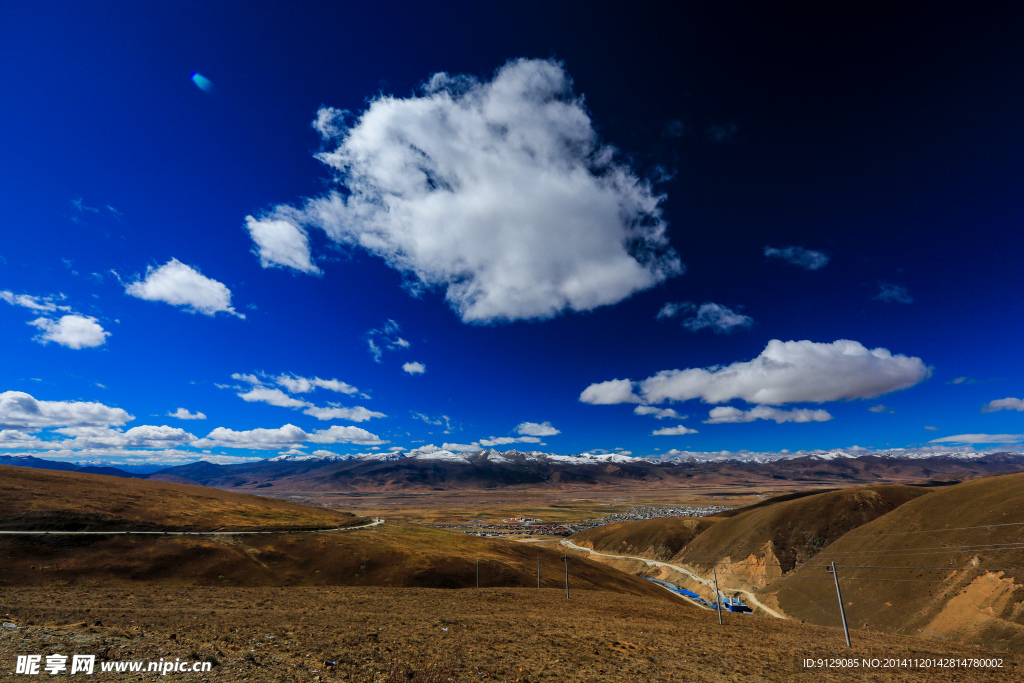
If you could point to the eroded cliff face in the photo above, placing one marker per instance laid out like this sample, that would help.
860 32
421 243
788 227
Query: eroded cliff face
751 573
754 571
990 603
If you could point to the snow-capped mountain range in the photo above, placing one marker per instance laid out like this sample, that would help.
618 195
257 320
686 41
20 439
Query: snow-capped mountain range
488 455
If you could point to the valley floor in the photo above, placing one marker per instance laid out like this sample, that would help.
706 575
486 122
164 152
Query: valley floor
394 634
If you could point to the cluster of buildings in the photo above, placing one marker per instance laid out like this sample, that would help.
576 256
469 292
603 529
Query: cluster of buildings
532 526
654 512
517 528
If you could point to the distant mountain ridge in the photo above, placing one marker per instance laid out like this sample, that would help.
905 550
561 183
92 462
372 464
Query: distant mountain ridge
439 469
432 468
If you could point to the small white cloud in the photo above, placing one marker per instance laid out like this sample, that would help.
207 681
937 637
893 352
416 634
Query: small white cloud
798 256
281 242
660 413
893 293
385 337
708 315
274 397
721 132
717 318
535 429
304 385
880 408
785 372
73 331
980 438
960 380
505 440
610 392
19 410
35 303
727 414
356 414
671 309
1008 403
500 193
931 429
183 414
461 447
82 207
442 421
414 368
673 431
180 285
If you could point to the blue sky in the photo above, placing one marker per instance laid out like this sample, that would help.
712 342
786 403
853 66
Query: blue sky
746 228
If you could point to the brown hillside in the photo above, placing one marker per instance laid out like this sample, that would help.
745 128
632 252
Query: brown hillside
388 555
656 539
32 499
774 539
902 573
771 501
405 635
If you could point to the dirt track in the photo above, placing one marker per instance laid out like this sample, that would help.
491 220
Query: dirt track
376 522
747 596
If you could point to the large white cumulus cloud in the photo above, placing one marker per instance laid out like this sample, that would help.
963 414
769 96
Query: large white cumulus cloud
785 372
498 192
287 436
19 410
723 414
1008 403
143 436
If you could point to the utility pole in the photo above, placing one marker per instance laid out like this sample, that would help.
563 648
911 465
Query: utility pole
842 612
538 572
718 596
566 560
478 573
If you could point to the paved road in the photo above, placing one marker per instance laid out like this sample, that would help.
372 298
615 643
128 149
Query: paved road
375 522
749 598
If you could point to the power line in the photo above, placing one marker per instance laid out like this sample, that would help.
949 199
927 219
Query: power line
897 553
931 531
1007 546
854 578
988 548
951 569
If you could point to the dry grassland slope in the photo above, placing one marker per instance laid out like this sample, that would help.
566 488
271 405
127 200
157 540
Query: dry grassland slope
771 540
903 573
33 499
657 539
389 555
404 635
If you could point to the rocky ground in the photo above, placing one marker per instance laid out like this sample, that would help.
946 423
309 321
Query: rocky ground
420 634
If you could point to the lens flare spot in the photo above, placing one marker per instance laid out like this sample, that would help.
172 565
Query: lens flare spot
203 83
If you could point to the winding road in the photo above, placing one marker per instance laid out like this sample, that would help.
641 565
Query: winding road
748 597
376 522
